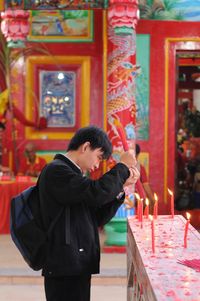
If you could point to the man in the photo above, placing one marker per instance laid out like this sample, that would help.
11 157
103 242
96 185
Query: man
73 249
31 165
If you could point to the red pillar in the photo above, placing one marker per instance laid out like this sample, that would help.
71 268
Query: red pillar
121 73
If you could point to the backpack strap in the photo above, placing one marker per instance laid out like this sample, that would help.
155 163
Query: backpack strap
65 209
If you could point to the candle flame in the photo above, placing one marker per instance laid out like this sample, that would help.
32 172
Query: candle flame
150 217
155 197
147 202
170 192
137 196
188 215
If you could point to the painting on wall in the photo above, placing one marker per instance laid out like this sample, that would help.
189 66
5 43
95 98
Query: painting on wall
17 4
63 4
44 4
61 26
180 10
142 87
58 88
57 97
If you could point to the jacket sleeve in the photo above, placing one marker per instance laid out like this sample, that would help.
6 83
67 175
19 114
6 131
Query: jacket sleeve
105 213
69 188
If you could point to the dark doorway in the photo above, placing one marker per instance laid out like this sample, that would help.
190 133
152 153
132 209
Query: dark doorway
188 131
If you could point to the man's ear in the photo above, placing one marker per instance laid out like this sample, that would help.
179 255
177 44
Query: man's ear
85 146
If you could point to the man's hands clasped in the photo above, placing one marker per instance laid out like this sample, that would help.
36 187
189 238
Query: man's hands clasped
128 158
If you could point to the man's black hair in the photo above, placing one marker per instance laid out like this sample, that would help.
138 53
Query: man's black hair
97 138
137 149
2 126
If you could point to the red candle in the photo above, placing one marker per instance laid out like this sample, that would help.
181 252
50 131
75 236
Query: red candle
146 210
155 208
138 205
171 202
122 135
141 212
138 209
139 188
152 233
138 185
186 229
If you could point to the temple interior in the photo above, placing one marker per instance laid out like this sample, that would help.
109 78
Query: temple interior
131 68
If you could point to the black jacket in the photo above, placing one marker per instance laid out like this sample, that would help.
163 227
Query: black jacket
84 204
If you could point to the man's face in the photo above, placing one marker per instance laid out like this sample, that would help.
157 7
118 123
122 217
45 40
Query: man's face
90 159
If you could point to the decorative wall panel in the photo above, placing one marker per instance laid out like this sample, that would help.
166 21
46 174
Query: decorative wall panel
61 26
58 88
142 86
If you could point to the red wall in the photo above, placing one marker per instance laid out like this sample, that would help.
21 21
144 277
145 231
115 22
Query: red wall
161 143
166 38
94 50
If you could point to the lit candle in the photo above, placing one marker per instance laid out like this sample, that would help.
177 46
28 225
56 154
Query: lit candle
186 229
146 210
139 208
155 207
138 204
171 202
152 233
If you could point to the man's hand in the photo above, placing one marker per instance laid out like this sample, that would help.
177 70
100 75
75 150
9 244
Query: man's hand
134 176
129 203
128 158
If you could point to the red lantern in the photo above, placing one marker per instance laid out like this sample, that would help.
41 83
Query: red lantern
15 25
123 16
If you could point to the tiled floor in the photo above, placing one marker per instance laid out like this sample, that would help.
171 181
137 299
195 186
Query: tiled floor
19 283
36 293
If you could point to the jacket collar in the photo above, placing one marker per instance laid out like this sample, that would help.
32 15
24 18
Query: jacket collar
68 162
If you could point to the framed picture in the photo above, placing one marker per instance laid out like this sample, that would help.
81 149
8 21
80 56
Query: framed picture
17 4
63 4
57 97
57 88
61 26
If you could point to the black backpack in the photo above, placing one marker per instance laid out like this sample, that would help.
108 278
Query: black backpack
27 228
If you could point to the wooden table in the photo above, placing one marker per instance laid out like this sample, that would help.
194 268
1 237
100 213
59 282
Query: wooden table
9 189
158 276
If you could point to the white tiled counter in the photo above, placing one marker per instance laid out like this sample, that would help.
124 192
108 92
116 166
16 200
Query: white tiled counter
158 276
